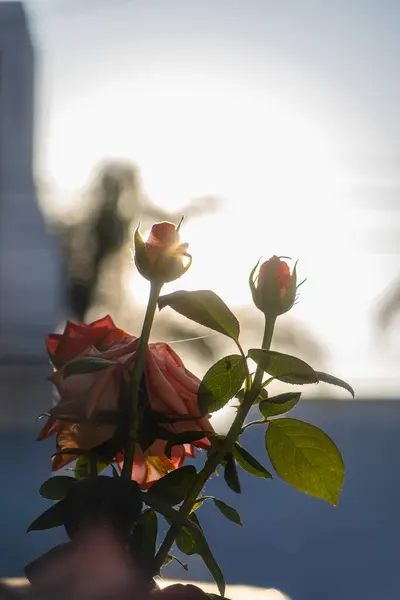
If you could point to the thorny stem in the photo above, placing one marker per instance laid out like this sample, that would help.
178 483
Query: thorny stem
136 377
217 457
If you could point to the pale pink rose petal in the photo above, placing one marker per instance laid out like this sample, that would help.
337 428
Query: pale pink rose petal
139 472
180 374
157 449
166 353
178 454
121 352
188 397
189 450
88 394
162 395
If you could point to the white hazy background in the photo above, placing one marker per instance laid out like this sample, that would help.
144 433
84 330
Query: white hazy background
289 112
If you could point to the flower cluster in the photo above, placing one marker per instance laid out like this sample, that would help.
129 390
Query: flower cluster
134 406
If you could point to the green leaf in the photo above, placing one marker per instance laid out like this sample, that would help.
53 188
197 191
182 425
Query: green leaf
56 488
53 517
263 395
171 516
240 396
86 364
144 536
83 467
271 407
228 511
114 471
171 557
140 254
199 502
221 383
334 381
203 307
306 458
231 475
186 437
191 541
284 367
186 541
174 487
249 463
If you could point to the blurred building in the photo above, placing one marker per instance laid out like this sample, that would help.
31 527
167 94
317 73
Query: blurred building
29 286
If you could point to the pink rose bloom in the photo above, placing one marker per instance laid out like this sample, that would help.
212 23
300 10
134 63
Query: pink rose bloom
172 390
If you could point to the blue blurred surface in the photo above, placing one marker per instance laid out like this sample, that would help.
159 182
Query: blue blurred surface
292 542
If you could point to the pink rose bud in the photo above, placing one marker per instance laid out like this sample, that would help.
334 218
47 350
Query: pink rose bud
162 257
274 288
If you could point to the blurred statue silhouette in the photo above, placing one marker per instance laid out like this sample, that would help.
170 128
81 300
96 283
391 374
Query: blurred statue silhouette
117 205
97 244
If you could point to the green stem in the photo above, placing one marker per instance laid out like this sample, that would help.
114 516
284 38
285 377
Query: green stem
217 457
248 380
266 344
260 422
136 378
93 465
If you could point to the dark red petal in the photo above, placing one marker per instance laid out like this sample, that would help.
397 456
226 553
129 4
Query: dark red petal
77 338
53 341
104 322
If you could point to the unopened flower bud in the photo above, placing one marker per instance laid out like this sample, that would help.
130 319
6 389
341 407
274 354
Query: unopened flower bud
274 287
162 257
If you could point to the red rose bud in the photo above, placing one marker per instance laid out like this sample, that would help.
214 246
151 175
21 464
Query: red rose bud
274 288
162 257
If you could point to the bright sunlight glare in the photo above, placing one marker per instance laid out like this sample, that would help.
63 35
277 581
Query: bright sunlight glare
274 162
268 164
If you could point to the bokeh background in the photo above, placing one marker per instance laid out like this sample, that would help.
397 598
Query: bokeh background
274 128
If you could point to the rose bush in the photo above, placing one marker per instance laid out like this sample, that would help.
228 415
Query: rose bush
87 399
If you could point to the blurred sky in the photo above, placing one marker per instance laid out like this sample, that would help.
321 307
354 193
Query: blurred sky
288 111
